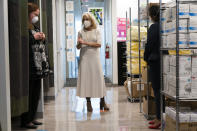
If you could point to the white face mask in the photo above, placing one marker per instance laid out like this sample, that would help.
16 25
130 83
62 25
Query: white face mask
35 19
87 23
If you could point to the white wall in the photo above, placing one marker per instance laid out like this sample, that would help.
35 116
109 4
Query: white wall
114 41
59 43
124 5
5 116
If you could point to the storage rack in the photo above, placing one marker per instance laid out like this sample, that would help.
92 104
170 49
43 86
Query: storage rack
129 56
164 94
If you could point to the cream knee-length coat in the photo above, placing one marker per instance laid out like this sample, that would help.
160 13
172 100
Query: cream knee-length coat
90 81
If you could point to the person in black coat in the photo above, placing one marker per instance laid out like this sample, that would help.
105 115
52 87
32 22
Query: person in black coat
38 67
152 57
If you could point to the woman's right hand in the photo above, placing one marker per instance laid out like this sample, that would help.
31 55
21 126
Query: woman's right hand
38 36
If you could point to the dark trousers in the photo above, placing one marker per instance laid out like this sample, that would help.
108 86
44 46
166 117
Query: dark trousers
34 96
154 71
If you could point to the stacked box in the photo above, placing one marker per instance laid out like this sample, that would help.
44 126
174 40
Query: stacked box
193 25
166 62
185 80
183 10
184 65
194 76
171 40
184 86
187 119
193 39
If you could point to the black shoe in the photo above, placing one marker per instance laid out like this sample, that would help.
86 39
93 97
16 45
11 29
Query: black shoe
37 123
28 126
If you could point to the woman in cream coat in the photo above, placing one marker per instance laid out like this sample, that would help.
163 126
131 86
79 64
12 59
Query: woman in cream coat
90 82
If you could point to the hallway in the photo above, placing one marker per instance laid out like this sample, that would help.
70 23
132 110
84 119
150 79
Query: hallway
67 113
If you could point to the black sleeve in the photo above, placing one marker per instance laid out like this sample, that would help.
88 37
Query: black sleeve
153 37
153 42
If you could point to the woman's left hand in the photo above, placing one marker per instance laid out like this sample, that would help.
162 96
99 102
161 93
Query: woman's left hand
81 41
43 35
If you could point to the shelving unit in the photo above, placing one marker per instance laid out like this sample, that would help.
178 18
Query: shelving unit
170 89
129 55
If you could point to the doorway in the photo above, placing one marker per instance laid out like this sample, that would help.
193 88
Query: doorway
73 22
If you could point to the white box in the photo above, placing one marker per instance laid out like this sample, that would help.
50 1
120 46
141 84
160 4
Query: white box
184 65
194 93
183 25
168 14
183 11
192 9
185 84
183 40
184 116
193 40
183 71
172 26
194 71
164 41
168 27
194 67
193 24
193 117
171 40
194 84
165 83
173 13
166 62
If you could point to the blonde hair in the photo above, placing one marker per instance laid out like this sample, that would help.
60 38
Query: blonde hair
91 18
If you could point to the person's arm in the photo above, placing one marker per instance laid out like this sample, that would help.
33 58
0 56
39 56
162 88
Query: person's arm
78 41
93 44
96 44
152 39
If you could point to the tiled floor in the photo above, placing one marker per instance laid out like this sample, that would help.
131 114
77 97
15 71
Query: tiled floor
68 113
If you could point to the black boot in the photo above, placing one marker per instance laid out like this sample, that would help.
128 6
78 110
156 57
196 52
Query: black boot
89 105
103 105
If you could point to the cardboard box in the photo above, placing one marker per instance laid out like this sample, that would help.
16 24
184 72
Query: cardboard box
149 106
193 39
144 75
136 89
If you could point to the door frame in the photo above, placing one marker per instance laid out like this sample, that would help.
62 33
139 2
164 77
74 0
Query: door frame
5 111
